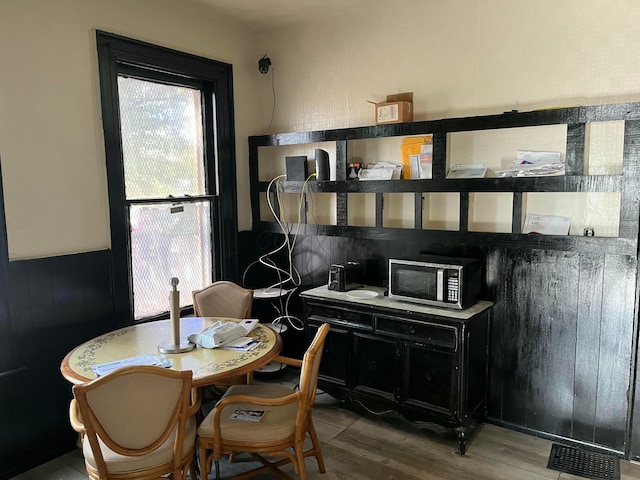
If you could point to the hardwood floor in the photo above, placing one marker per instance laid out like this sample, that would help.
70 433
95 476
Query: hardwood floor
357 447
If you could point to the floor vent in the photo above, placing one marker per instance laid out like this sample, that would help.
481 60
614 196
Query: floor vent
584 463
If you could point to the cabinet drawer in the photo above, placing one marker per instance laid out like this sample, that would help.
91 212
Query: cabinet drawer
344 317
418 331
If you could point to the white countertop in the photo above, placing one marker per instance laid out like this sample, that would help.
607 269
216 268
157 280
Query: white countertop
352 296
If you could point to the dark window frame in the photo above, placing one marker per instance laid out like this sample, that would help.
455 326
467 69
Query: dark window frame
116 55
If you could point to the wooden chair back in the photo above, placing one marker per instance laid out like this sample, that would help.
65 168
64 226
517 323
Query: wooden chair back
311 367
223 299
133 411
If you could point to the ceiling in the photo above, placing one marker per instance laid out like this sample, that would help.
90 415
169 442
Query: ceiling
266 14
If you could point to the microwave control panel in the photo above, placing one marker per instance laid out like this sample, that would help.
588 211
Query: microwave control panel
453 287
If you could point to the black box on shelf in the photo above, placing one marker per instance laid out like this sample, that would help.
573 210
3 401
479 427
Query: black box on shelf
296 168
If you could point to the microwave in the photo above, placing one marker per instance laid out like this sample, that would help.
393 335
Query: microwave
450 282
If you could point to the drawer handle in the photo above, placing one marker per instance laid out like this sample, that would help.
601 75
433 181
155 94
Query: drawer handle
339 315
412 330
427 377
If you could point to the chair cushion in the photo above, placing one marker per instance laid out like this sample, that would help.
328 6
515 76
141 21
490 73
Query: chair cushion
276 423
117 463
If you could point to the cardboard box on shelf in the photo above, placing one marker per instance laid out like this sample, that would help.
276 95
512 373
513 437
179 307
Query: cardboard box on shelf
397 109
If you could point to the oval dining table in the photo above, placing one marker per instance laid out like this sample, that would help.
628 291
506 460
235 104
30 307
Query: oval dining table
209 365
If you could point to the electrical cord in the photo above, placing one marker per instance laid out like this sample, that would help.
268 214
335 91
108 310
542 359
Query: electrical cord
372 412
291 276
273 91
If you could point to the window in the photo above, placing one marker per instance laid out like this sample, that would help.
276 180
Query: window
171 171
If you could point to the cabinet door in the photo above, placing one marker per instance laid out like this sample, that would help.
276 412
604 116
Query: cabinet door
334 365
376 362
429 377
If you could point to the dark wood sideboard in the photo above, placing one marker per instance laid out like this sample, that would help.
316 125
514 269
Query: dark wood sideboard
427 364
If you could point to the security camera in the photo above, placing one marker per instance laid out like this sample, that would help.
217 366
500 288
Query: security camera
263 64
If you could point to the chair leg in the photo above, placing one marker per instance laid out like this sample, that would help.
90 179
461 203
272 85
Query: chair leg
192 469
205 466
302 469
316 447
217 462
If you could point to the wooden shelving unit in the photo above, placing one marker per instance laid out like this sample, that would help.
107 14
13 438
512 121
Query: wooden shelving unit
575 119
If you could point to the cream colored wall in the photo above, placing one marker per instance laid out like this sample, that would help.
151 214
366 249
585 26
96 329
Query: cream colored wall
462 58
459 57
51 138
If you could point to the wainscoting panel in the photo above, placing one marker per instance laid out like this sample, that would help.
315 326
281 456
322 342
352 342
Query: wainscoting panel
55 304
562 344
562 331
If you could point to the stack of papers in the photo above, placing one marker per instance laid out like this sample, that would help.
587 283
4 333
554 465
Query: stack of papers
546 224
381 171
532 171
146 359
249 324
470 170
243 344
223 333
421 166
534 164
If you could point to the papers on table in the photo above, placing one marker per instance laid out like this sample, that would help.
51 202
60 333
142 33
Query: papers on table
146 359
243 344
223 333
248 324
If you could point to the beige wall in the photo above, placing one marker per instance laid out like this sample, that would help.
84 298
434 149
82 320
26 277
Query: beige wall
459 57
465 58
51 139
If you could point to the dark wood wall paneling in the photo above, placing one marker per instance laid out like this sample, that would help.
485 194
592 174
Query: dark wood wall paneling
561 362
55 304
562 335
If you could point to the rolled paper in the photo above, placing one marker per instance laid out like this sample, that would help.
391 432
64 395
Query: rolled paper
174 310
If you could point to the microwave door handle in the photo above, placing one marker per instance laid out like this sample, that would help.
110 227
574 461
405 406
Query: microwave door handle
440 285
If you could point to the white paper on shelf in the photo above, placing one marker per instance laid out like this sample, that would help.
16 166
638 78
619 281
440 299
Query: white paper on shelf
469 170
526 157
421 166
542 170
376 174
546 224
381 171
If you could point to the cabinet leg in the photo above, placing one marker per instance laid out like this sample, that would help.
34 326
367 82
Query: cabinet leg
462 433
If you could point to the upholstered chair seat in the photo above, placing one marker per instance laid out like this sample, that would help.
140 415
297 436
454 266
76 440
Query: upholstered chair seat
280 432
277 423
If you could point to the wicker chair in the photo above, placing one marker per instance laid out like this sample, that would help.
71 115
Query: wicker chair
283 428
137 423
225 299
